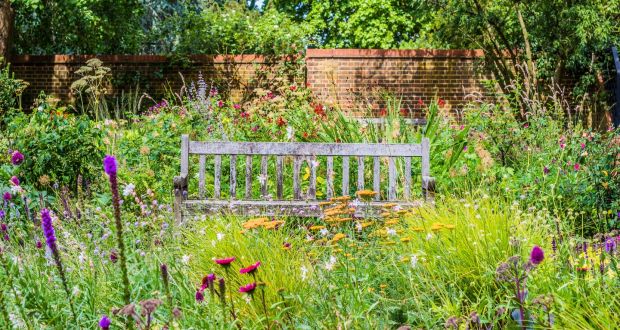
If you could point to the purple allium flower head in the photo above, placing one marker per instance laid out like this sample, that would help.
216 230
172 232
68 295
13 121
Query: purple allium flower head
6 196
105 322
109 165
3 227
15 180
48 229
17 158
537 255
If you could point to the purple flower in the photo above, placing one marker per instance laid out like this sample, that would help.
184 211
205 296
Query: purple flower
3 227
249 288
537 255
109 165
48 229
207 281
17 158
15 180
199 296
610 245
39 244
105 322
545 170
2 214
6 196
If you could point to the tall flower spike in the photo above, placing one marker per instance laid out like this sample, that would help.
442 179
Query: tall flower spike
105 322
109 166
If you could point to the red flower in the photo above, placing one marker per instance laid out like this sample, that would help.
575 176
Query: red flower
293 88
420 102
441 102
305 135
244 114
382 113
249 269
404 112
319 110
249 288
280 122
224 261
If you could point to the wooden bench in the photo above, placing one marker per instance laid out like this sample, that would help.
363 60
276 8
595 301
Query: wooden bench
304 202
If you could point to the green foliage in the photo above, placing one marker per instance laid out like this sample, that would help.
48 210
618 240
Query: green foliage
10 90
77 27
57 146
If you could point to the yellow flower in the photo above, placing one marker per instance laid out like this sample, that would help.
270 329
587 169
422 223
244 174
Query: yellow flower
254 223
437 226
391 222
405 239
338 237
449 226
272 224
321 204
340 199
317 227
389 205
366 194
417 229
383 286
385 214
367 224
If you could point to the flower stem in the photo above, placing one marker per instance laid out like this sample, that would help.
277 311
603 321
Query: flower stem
119 237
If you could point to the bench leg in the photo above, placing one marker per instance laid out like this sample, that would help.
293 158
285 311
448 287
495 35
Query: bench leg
428 188
180 193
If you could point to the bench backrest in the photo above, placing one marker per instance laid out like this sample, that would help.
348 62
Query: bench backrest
305 152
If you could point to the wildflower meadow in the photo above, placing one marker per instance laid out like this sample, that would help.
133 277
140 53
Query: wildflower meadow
522 232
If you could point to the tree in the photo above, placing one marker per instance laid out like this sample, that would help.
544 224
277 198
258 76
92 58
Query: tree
7 17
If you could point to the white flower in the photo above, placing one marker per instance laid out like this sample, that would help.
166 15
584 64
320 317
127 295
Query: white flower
329 265
76 290
414 260
324 232
304 273
390 231
429 236
129 189
289 132
358 226
314 163
262 178
219 236
185 259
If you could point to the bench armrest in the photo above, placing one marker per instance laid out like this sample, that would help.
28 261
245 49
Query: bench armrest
428 188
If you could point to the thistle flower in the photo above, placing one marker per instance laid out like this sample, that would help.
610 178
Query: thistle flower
17 158
105 322
250 269
249 288
14 180
537 255
225 261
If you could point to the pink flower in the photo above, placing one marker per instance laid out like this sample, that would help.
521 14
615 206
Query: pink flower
576 166
249 288
199 296
224 261
207 281
220 103
562 145
15 180
237 106
249 269
17 158
583 146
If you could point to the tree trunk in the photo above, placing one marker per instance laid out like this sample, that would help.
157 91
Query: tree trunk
6 28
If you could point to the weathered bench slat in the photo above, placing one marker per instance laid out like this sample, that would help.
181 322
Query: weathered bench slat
217 176
407 188
279 178
296 183
345 176
248 176
201 176
376 177
281 208
330 176
233 176
312 185
305 149
391 179
263 177
360 173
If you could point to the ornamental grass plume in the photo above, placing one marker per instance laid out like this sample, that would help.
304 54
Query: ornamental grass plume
109 166
50 240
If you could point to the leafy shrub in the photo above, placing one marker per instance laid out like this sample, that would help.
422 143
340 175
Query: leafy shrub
57 146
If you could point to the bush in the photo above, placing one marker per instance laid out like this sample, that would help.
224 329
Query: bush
10 90
57 146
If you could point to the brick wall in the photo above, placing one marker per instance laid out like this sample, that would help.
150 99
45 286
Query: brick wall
356 78
351 78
